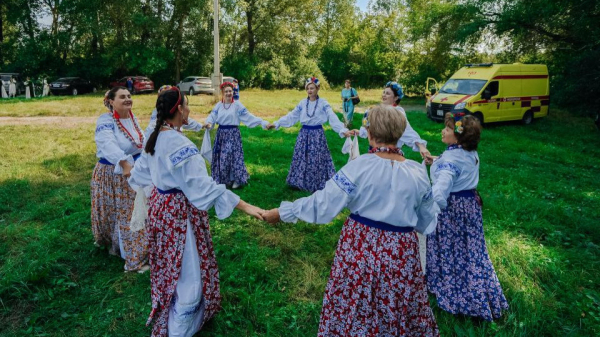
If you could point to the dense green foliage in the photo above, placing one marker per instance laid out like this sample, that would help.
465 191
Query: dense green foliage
277 43
540 189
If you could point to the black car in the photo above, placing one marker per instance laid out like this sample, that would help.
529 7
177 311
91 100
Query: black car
71 86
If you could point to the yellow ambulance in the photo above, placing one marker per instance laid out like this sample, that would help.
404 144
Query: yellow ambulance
492 93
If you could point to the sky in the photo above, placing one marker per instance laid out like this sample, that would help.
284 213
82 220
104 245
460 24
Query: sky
362 4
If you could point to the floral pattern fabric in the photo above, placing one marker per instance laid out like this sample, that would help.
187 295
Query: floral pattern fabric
459 270
311 164
112 205
167 225
376 286
227 164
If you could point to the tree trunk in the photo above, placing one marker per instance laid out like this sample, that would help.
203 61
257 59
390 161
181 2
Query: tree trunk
249 17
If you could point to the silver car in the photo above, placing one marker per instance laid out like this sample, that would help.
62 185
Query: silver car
196 84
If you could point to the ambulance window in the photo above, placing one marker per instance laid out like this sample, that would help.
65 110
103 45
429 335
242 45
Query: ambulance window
492 89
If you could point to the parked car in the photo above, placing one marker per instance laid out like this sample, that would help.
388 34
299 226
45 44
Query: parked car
140 84
71 86
196 84
199 85
5 77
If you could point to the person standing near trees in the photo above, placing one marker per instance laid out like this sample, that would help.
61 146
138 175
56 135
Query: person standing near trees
312 164
185 288
227 166
392 95
119 142
129 83
459 271
236 90
12 87
27 85
348 94
45 87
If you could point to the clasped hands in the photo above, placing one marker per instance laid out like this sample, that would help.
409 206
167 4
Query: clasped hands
270 216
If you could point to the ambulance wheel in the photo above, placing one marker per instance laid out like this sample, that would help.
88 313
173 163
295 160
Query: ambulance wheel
479 117
527 118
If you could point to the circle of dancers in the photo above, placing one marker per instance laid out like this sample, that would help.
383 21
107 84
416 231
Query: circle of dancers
151 192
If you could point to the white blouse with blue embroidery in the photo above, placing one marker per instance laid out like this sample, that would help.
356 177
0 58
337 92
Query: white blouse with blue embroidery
177 163
318 113
454 170
397 193
111 142
191 126
233 114
410 137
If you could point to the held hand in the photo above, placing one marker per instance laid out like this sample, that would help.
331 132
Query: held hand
423 150
349 133
356 132
270 126
251 210
272 216
429 159
207 126
126 168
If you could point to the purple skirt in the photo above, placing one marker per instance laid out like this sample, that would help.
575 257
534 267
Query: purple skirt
459 270
311 165
227 164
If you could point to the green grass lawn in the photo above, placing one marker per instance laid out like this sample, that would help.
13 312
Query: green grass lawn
539 184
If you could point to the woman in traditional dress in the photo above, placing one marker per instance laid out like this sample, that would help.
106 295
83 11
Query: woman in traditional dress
392 95
184 275
236 90
45 88
227 166
4 93
376 286
12 88
191 125
311 164
459 270
119 140
27 85
348 93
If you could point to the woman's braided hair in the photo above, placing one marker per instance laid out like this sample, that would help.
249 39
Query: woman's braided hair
165 103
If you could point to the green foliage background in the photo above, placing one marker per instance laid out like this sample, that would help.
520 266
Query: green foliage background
276 43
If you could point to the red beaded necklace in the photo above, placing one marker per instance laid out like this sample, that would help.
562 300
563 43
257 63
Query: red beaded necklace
128 135
387 149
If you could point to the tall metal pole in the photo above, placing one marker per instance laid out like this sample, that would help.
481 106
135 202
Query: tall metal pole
217 77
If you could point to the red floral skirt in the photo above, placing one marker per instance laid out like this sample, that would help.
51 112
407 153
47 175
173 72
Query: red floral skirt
376 286
166 227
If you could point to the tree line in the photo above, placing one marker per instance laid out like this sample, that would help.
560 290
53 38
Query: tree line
277 43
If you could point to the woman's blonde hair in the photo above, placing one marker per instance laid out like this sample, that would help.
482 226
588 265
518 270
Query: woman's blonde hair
386 124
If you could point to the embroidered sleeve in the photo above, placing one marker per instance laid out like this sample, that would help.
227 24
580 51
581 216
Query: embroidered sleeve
105 126
182 154
447 166
344 183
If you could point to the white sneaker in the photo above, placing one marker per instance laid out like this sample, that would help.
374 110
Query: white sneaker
235 185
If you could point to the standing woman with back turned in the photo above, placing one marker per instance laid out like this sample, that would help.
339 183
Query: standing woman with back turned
119 140
184 276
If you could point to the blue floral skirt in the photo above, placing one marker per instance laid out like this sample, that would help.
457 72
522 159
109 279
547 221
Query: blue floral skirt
311 165
227 164
459 270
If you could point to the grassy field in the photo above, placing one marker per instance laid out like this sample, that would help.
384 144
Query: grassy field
539 183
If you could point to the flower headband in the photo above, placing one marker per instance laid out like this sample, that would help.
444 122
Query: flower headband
458 128
226 84
397 88
172 111
163 88
312 80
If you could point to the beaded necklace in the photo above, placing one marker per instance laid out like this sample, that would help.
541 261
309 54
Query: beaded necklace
171 126
229 106
387 149
128 135
314 109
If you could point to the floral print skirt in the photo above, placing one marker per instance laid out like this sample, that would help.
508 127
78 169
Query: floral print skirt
167 221
227 164
376 286
112 204
459 270
311 165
